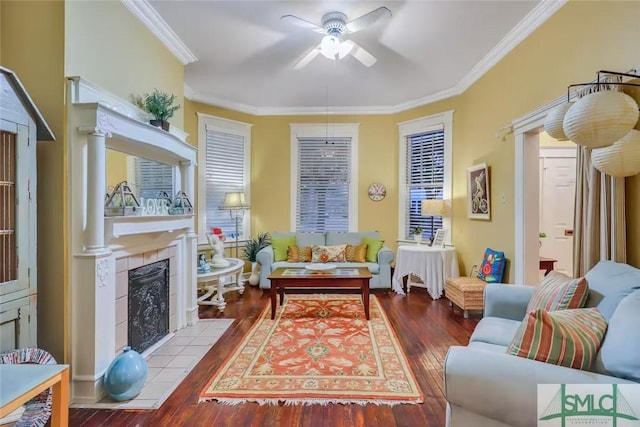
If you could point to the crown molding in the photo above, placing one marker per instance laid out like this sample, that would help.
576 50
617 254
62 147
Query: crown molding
142 10
536 17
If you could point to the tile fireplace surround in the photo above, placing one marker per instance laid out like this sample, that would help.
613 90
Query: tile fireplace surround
104 249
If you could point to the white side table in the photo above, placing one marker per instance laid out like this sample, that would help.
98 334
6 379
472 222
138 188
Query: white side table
219 281
432 265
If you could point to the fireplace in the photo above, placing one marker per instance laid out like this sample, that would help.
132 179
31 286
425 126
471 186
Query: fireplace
148 305
104 249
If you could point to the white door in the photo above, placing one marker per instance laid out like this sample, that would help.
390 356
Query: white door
557 194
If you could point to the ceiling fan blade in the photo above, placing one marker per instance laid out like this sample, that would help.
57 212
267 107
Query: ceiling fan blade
368 19
294 20
307 59
362 55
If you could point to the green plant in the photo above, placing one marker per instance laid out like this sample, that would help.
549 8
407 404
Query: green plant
158 104
542 234
417 230
253 246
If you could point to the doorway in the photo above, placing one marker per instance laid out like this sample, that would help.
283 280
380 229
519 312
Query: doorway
557 199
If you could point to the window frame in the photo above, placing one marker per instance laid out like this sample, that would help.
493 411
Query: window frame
320 130
206 123
417 126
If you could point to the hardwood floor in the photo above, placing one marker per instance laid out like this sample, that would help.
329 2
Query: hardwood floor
425 328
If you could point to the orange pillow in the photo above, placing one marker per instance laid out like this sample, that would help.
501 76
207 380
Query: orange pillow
299 254
356 253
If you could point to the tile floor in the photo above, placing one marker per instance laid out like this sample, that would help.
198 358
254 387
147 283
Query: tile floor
169 364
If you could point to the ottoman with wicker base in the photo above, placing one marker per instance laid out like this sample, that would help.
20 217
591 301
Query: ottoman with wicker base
465 292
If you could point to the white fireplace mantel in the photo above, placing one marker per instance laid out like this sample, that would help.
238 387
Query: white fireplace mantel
97 121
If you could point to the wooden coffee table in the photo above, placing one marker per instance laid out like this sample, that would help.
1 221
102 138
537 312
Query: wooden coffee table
283 278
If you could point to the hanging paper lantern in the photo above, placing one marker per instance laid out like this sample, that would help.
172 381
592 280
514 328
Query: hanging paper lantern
620 159
553 121
601 118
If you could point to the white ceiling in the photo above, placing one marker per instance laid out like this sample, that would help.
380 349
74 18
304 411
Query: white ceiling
427 50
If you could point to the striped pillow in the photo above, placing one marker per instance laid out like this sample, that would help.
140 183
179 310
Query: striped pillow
356 253
568 338
557 291
299 254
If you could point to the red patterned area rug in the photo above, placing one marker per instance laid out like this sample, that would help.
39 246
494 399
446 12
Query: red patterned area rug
319 349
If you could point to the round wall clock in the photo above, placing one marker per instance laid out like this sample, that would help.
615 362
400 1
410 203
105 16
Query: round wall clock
377 191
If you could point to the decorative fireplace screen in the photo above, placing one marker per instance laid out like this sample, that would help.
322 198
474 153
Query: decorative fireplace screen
148 305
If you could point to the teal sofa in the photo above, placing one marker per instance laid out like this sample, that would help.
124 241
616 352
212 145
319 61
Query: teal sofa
380 270
485 387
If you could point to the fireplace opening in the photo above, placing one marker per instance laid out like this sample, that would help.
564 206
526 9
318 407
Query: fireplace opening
148 305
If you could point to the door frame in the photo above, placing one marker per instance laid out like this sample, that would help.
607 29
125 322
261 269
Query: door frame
526 130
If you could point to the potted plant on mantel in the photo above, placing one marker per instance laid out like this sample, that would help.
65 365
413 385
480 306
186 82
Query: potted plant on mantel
160 105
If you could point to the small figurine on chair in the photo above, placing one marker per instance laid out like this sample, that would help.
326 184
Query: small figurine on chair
216 240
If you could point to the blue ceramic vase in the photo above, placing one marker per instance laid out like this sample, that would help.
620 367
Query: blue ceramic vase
125 375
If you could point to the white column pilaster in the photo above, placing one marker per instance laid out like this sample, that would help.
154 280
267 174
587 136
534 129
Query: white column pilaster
96 187
187 169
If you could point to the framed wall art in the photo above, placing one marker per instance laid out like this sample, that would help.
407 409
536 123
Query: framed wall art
478 198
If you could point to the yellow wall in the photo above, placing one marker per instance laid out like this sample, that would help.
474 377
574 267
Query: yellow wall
44 41
107 45
33 47
548 141
570 47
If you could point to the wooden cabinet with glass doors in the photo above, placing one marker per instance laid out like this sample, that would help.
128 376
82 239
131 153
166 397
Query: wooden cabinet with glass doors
20 126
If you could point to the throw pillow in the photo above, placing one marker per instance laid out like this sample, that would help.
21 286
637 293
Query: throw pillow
618 355
281 246
568 338
328 253
356 253
492 266
373 246
557 291
299 254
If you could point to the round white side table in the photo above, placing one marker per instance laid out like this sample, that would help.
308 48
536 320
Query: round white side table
219 281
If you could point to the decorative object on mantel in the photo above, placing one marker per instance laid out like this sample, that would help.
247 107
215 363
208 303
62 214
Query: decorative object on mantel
159 105
251 249
125 376
216 240
122 202
181 205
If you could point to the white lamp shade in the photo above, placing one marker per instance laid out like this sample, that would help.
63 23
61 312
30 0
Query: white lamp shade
620 159
234 201
436 207
601 118
553 121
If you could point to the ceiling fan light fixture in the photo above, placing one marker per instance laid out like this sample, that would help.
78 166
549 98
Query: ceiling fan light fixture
330 46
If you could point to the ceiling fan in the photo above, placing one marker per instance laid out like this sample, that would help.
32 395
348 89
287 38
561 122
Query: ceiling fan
335 25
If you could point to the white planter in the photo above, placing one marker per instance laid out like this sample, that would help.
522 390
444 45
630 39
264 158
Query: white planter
254 278
418 238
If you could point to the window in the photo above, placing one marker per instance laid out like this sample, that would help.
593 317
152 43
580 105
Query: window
425 171
324 177
224 155
152 178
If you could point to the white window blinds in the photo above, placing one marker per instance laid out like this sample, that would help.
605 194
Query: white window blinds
425 178
224 174
324 176
153 178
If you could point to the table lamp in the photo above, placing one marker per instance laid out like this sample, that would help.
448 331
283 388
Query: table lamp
433 207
